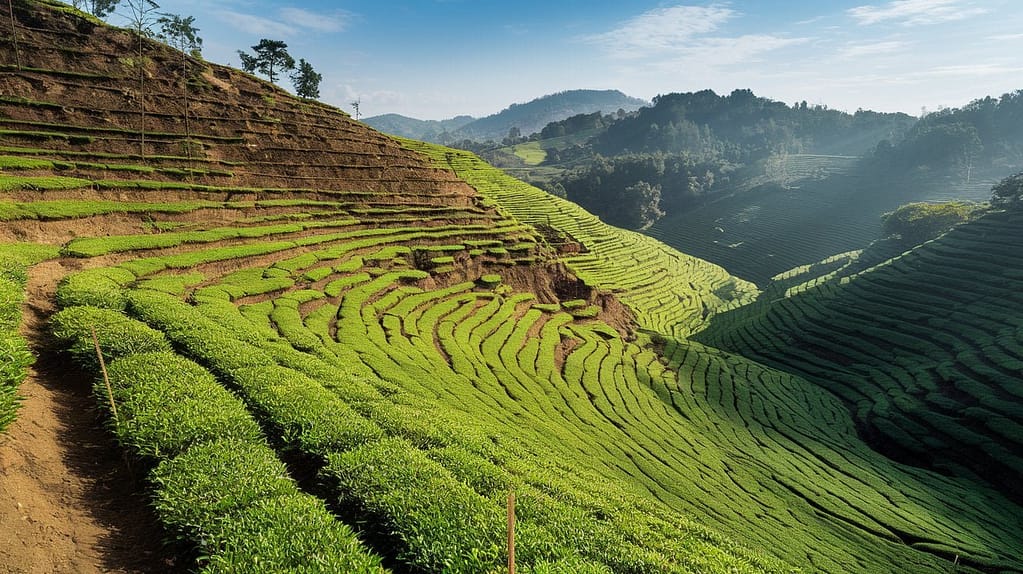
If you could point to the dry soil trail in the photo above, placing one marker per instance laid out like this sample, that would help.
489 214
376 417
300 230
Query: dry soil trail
68 501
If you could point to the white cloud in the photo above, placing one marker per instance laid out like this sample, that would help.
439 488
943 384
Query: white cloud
1006 37
915 12
875 49
661 30
289 22
971 71
256 25
300 18
666 39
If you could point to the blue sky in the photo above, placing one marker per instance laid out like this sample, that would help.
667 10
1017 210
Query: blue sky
434 59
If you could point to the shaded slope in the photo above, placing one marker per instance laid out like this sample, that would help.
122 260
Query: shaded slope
925 348
760 233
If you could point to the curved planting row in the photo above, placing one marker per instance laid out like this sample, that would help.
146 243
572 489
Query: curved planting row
677 291
927 348
481 384
215 480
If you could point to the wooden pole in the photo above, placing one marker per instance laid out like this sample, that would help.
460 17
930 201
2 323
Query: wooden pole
14 35
103 369
511 531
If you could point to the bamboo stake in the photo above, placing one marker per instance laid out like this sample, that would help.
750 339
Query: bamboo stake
511 531
14 35
103 369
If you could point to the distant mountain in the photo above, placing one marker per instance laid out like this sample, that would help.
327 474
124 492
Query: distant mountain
533 116
530 117
424 130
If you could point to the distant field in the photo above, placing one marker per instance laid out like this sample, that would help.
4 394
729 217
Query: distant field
531 153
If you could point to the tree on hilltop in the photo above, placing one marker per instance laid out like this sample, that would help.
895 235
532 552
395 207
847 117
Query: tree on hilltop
181 34
98 8
306 80
271 58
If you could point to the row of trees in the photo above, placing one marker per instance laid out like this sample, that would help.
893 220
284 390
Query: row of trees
270 57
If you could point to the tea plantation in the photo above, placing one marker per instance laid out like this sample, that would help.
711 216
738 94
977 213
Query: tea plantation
327 350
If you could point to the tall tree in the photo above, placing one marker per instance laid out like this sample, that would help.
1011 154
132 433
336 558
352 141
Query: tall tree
140 14
98 8
181 34
271 58
306 80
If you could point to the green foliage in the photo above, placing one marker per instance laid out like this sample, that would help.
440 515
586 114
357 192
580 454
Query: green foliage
118 336
41 183
236 500
100 287
456 532
167 403
918 222
94 246
305 414
306 80
196 490
1009 191
15 357
180 34
271 58
289 533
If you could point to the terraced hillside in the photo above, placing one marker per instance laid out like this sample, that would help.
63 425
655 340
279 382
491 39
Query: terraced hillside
824 210
927 348
326 351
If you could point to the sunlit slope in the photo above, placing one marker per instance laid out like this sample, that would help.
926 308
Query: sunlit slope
671 292
927 348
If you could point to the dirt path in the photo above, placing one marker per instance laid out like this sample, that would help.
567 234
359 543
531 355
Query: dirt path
68 502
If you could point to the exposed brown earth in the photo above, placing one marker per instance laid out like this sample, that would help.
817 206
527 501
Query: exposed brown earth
69 501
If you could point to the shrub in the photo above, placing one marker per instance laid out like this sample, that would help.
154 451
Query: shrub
118 335
102 287
167 403
289 533
305 413
442 525
919 222
193 492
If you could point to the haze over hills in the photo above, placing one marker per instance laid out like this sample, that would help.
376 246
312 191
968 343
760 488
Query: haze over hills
426 130
528 118
325 349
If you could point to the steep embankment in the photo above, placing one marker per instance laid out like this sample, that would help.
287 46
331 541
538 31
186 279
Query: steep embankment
325 351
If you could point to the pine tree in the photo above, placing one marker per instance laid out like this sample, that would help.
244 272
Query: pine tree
271 58
306 80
